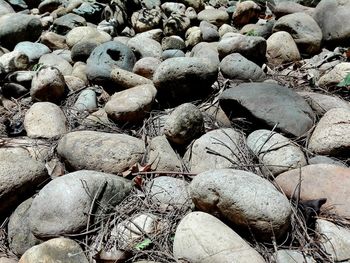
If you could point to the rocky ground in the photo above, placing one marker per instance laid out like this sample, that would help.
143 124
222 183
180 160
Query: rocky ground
189 131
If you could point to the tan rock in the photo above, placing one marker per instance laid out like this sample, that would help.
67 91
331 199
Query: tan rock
126 79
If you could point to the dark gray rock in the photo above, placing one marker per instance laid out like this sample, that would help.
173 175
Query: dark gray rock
106 57
15 28
91 11
82 50
268 105
64 24
172 53
13 90
209 31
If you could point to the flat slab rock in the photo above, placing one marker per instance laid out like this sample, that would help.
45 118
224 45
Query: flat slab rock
105 152
320 181
269 104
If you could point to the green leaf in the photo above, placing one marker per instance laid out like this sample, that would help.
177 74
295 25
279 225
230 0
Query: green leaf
144 244
251 33
345 82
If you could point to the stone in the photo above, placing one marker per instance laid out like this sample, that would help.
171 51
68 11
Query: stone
45 120
184 124
48 6
180 80
193 36
83 33
232 194
5 8
304 30
87 101
55 250
53 41
321 103
207 51
79 71
319 181
201 237
13 90
93 11
176 24
214 16
8 260
335 31
169 191
14 61
33 50
20 238
146 67
106 57
62 206
209 31
19 177
172 7
237 67
48 85
146 19
197 5
281 48
82 50
155 34
334 239
259 29
16 27
173 42
251 47
292 256
276 152
74 83
66 23
53 60
283 8
269 104
84 150
246 12
332 133
335 75
131 105
225 28
319 159
162 156
221 148
172 53
123 79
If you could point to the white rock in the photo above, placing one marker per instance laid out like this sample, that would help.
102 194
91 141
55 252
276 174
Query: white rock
292 256
335 75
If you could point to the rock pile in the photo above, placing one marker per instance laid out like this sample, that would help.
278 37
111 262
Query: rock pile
185 131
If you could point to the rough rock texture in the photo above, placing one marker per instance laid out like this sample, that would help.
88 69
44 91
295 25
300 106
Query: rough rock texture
245 199
202 238
86 149
320 181
67 201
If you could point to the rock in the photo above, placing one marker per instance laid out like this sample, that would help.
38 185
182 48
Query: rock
19 177
79 71
172 7
335 31
66 23
74 83
14 61
281 49
47 85
207 51
15 28
93 11
200 237
83 33
62 206
129 232
86 101
292 256
33 50
283 8
259 29
193 36
304 30
251 47
172 53
58 62
225 28
322 103
184 124
335 240
276 152
145 47
124 79
45 120
332 133
55 250
106 57
246 12
232 194
319 159
20 238
49 6
169 190
176 24
84 150
131 105
235 66
214 16
319 181
146 67
155 34
8 260
173 42
162 157
269 104
53 41
82 50
180 80
221 148
209 32
335 75
198 5
5 8
13 90
146 19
